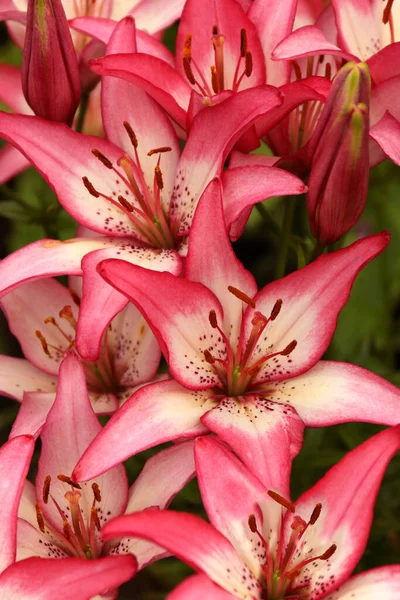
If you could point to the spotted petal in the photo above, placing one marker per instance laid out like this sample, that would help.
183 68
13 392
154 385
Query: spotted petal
383 582
18 375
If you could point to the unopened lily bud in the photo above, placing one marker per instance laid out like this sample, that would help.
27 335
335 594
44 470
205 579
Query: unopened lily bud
50 74
338 182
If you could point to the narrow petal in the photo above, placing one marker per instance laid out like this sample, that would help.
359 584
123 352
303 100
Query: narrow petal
334 392
387 134
18 376
212 261
11 90
347 494
12 162
192 540
245 186
213 133
156 413
43 579
15 457
155 15
314 295
72 422
231 494
385 64
198 587
308 41
264 435
273 21
383 582
178 312
101 302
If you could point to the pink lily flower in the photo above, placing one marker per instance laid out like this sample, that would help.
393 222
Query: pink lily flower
32 579
43 316
246 364
60 518
136 191
261 545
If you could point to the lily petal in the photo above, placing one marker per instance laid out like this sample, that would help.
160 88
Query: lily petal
12 162
383 582
44 579
387 134
160 412
198 587
18 375
15 457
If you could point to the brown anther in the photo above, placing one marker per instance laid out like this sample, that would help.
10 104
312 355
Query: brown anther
252 523
276 309
297 70
46 489
50 320
289 348
131 134
254 370
159 177
39 518
66 479
242 296
159 150
103 159
42 340
187 47
328 71
315 514
243 42
281 500
214 80
188 70
386 12
66 313
75 297
212 317
125 203
328 553
96 492
248 64
95 518
90 188
215 30
209 357
66 530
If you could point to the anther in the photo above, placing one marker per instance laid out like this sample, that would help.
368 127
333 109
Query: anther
103 159
46 489
214 80
297 70
42 340
95 518
289 348
386 12
159 177
243 42
90 188
188 70
187 47
252 523
66 479
75 297
328 71
66 313
242 296
131 134
39 518
281 500
215 30
96 492
66 530
276 309
315 514
50 320
158 150
328 553
212 317
248 59
125 203
209 357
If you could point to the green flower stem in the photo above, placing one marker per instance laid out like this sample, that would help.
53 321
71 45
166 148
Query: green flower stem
280 268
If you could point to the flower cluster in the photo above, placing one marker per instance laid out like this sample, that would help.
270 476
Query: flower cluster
158 328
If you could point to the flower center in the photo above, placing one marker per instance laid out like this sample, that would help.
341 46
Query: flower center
217 80
100 375
284 570
143 206
239 369
78 536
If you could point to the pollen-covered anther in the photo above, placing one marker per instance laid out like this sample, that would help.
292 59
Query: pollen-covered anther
42 340
387 11
67 530
276 309
95 518
50 320
242 296
328 553
328 71
159 150
67 314
188 70
252 523
46 489
90 187
158 177
289 348
212 317
96 492
103 159
248 62
209 357
243 42
187 47
66 479
215 30
297 70
39 518
315 514
125 203
75 297
282 501
131 134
